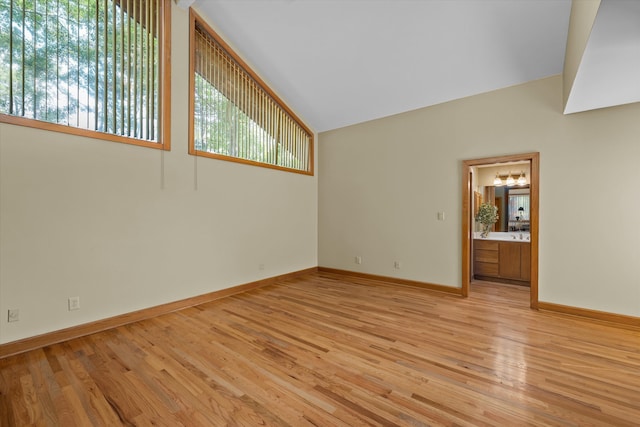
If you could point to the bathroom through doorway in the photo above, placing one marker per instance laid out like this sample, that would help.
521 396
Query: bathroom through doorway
517 228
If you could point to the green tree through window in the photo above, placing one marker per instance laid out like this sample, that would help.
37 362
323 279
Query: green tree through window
87 64
236 116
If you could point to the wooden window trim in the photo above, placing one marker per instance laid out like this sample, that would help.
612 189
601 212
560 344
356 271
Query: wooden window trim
164 102
195 18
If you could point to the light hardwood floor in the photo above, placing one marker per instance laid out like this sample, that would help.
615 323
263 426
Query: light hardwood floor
329 350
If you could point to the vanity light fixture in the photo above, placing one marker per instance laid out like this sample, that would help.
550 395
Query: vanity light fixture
510 180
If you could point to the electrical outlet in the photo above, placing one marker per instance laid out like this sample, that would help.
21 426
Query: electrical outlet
358 260
13 315
74 303
396 265
440 216
260 266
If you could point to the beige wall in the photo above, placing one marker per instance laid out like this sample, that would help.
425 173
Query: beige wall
125 228
381 184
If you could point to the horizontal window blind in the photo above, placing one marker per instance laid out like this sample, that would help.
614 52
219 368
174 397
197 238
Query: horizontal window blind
88 64
235 116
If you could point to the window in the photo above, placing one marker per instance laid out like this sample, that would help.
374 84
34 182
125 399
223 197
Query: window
96 68
235 116
518 209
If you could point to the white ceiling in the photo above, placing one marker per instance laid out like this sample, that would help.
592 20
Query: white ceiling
341 62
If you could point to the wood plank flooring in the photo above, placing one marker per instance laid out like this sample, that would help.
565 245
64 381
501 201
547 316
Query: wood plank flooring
329 350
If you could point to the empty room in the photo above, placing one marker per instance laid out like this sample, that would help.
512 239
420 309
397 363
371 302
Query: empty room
319 213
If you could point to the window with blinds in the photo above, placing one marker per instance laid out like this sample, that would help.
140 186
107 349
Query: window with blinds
88 67
235 115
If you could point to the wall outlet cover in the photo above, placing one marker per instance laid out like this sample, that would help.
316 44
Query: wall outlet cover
13 315
74 303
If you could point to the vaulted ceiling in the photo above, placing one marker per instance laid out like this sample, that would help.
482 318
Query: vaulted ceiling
341 62
609 70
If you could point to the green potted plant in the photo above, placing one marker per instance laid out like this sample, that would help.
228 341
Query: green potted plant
487 216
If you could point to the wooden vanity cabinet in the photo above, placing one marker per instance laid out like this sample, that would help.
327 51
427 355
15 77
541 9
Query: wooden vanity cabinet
502 261
525 262
486 256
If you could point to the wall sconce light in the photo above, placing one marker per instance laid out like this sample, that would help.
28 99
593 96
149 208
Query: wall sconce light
522 180
510 180
497 181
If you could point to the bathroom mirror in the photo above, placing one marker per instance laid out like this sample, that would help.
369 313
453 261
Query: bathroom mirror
508 198
513 208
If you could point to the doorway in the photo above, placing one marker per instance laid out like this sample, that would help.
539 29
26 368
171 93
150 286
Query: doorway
467 221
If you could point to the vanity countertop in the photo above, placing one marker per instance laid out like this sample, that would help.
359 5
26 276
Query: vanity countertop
507 236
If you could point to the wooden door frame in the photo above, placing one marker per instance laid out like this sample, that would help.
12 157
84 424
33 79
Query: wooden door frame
467 232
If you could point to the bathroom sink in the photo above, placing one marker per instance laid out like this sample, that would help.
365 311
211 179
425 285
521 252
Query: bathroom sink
511 236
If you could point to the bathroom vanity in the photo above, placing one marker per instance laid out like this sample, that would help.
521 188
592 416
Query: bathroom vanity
500 260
